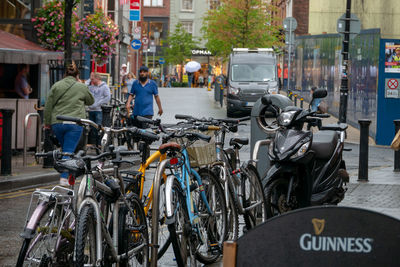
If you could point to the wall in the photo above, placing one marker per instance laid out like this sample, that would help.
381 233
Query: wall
373 14
318 62
300 12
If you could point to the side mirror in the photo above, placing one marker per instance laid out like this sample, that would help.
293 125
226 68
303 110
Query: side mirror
266 100
320 93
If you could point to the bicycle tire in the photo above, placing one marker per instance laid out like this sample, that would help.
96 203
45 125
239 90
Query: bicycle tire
252 191
47 238
85 231
132 234
180 242
215 233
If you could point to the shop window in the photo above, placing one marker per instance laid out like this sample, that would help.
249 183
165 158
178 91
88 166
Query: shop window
187 5
188 26
153 3
156 32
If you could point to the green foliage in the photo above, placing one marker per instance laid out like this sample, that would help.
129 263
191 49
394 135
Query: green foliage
180 44
239 23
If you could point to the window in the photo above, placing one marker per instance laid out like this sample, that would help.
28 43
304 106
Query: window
187 5
153 3
214 4
187 26
13 9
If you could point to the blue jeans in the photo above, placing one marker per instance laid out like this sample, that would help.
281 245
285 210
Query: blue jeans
68 135
97 117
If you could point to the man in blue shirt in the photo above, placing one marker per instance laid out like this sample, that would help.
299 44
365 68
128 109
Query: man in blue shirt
143 91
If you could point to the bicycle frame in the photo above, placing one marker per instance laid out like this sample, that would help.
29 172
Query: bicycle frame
47 198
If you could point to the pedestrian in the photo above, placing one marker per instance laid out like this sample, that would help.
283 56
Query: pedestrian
201 80
279 77
190 78
130 78
67 97
316 101
102 96
285 77
21 85
143 91
90 80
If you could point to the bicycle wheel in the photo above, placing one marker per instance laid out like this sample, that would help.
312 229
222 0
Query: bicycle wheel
46 247
85 242
232 231
252 197
212 227
180 228
133 233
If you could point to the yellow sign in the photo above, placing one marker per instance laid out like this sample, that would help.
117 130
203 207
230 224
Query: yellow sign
319 225
185 78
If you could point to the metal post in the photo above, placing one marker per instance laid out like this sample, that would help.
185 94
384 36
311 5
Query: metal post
295 100
301 102
396 153
290 52
6 141
38 138
106 110
344 90
155 209
363 158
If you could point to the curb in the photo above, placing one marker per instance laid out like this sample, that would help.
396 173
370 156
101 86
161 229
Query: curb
18 182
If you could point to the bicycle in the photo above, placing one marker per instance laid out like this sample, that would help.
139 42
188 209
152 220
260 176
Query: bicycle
195 208
48 232
244 195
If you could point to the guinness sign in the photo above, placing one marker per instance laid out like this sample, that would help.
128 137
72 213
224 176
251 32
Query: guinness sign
322 236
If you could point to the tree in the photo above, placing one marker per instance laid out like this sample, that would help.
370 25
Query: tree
179 46
239 23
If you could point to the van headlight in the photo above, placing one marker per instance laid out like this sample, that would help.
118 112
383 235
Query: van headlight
302 150
234 91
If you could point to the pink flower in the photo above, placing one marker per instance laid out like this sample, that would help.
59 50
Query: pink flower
52 23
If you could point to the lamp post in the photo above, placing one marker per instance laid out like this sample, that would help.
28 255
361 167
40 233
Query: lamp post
156 36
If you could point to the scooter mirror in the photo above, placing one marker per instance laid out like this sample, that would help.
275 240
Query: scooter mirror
320 93
266 100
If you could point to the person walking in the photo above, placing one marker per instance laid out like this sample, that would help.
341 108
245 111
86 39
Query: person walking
130 78
102 96
67 97
143 91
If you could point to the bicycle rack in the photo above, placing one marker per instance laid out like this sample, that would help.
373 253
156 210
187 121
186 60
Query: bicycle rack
38 137
155 210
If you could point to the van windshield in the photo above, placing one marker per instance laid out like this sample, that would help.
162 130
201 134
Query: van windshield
253 73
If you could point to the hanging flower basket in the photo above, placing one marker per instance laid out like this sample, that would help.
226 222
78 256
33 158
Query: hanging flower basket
49 26
99 33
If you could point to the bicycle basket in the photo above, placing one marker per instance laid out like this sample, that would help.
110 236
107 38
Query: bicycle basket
201 152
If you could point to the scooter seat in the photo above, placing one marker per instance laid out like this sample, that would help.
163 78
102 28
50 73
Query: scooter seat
334 127
324 144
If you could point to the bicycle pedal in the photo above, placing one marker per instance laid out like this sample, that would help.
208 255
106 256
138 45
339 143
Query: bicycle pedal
215 249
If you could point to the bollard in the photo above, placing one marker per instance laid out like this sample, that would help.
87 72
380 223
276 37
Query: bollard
6 141
106 110
301 102
295 100
290 94
396 153
363 158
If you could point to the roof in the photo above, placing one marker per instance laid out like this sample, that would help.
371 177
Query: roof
17 50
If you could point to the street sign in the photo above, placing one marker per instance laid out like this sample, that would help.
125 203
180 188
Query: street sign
290 24
392 88
152 49
145 47
136 44
137 30
289 39
355 25
136 36
161 60
134 10
145 41
134 4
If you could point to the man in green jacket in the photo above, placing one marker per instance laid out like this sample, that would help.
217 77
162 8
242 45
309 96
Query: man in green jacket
67 97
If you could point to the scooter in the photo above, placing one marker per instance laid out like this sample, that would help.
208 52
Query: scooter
307 168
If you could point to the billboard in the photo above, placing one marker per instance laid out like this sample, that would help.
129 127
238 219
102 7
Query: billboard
392 57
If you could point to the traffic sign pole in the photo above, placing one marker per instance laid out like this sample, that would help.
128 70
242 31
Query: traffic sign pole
344 89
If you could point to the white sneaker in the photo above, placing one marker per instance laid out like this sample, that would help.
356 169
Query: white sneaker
64 182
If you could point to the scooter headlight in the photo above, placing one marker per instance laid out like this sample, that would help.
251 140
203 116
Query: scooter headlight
285 118
302 150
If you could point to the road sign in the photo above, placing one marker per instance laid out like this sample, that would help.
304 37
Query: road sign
136 36
136 44
355 25
134 15
392 88
134 4
289 24
145 47
145 41
152 49
161 60
137 30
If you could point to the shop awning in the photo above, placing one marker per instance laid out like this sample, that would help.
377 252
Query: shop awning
16 50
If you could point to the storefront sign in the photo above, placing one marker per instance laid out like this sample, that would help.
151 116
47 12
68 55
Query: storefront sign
337 236
392 57
201 52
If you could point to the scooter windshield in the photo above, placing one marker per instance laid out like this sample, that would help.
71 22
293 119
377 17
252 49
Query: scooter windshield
286 141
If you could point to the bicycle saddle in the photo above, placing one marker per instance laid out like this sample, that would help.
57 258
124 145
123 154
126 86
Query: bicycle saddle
239 141
75 167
